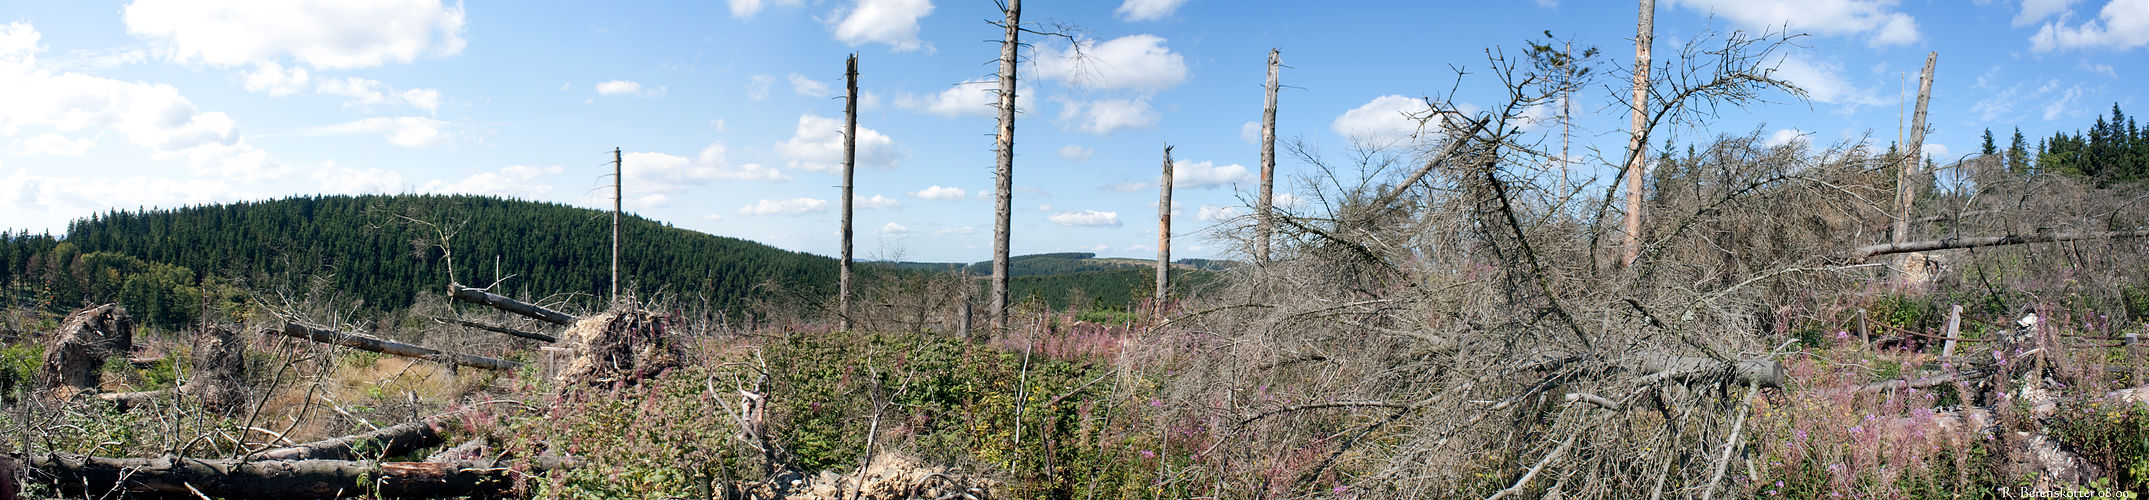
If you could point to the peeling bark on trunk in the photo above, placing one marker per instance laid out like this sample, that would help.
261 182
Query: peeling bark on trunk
364 343
1264 220
1637 143
850 162
173 477
1913 154
500 329
1164 228
476 296
391 441
1004 183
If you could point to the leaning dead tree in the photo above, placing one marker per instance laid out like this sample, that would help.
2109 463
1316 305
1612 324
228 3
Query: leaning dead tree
495 301
1914 155
390 347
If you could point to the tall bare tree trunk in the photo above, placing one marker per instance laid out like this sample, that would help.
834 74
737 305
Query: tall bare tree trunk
1638 142
1164 228
1263 206
1566 116
616 195
850 161
1913 154
1005 184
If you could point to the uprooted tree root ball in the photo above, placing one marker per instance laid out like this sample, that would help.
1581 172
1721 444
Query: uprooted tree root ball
75 359
619 346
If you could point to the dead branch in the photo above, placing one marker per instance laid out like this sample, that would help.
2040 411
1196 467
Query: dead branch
498 329
495 301
1861 254
365 343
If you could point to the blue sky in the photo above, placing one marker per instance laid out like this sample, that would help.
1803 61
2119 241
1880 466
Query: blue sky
728 115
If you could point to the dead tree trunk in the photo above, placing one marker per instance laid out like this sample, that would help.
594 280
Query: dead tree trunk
850 162
395 440
1637 142
1913 154
1455 143
499 329
1861 254
390 347
1263 220
1164 228
617 193
177 477
1004 194
495 301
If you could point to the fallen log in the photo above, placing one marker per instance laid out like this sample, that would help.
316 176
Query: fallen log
1921 382
489 299
498 329
1861 254
365 343
391 441
178 477
1762 372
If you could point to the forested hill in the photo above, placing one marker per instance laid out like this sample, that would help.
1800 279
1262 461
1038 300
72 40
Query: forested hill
368 250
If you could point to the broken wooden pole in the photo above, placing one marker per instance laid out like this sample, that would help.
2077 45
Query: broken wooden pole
396 440
1954 328
499 329
81 475
496 301
1861 254
390 347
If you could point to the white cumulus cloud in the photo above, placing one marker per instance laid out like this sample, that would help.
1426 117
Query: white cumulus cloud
1105 116
2120 25
518 181
876 201
940 193
894 230
405 131
817 145
1085 218
1075 153
53 144
743 9
1877 20
794 206
619 87
892 22
1133 62
1384 121
1147 10
969 98
808 87
322 34
366 93
1219 213
1204 175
